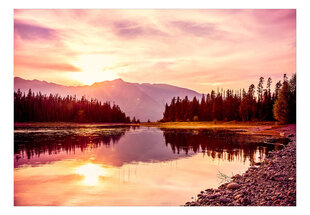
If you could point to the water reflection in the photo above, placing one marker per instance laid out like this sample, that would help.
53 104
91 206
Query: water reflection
30 142
221 144
102 165
138 145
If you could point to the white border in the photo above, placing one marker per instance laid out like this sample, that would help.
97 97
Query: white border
303 59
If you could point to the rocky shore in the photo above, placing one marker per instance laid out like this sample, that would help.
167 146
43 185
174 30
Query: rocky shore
269 183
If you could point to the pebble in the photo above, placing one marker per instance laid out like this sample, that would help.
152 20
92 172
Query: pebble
237 176
238 196
224 200
245 201
233 185
214 196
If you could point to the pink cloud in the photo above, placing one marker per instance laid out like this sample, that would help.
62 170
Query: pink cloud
32 32
199 29
182 47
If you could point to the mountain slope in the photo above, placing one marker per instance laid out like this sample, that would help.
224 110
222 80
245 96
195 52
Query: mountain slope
144 101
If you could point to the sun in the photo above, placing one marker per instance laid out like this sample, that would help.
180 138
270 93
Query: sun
91 173
92 76
93 69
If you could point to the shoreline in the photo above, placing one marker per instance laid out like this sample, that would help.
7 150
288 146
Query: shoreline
211 125
269 183
69 124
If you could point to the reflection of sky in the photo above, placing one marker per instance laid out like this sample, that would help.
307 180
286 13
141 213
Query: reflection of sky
147 146
70 182
137 170
143 145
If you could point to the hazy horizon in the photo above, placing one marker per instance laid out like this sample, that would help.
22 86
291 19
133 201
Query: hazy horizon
35 79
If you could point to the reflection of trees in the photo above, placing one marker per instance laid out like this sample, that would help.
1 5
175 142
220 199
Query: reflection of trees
36 143
220 144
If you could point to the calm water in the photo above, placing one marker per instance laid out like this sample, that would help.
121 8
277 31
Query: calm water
113 165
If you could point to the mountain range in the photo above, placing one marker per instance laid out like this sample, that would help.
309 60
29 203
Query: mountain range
143 101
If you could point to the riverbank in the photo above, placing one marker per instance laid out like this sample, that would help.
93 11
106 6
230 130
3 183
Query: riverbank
211 124
269 183
69 124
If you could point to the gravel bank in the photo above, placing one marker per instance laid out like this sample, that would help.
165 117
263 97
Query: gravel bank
270 183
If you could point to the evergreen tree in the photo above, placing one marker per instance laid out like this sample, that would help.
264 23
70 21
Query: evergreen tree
281 107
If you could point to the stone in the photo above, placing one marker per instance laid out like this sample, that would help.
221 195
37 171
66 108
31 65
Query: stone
214 196
237 176
246 201
238 196
228 192
245 192
233 185
224 200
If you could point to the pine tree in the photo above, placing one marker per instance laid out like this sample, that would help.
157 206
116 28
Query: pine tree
281 107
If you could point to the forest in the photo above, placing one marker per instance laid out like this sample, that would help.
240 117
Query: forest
54 108
255 104
241 105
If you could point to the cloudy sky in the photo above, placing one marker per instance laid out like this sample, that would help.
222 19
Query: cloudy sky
196 49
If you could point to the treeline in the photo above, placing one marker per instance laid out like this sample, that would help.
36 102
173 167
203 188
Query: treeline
33 107
242 105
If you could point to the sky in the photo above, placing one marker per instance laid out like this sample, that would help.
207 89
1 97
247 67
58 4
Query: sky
196 49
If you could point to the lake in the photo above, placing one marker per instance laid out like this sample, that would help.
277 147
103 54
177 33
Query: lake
93 164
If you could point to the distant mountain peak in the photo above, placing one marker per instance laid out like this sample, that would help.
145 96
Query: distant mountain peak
119 79
108 81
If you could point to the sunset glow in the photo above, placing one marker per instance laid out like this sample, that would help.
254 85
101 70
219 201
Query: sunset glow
196 49
91 173
92 70
89 77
